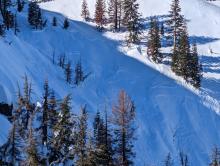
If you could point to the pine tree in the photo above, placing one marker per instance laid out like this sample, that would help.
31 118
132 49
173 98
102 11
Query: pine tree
16 29
168 161
183 159
20 5
195 68
79 74
100 14
115 13
175 23
123 120
54 23
66 24
9 20
34 15
33 158
4 10
68 72
63 139
215 157
81 142
154 43
132 20
85 11
13 147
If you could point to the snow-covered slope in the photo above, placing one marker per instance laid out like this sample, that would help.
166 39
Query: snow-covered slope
170 117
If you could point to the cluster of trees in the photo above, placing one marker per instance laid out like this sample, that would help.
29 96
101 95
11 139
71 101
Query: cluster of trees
185 61
79 74
118 14
49 133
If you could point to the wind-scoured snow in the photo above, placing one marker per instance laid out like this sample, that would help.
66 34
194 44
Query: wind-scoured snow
171 116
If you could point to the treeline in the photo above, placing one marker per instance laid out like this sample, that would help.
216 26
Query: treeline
49 133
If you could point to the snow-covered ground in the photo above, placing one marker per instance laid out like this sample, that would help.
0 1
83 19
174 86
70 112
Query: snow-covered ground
171 116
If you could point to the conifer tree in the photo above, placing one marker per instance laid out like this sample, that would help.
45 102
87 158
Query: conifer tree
16 29
33 158
54 23
68 72
195 68
100 14
215 157
154 43
123 120
20 5
175 23
183 159
81 142
34 15
85 11
132 20
115 13
13 147
168 161
79 74
66 23
63 138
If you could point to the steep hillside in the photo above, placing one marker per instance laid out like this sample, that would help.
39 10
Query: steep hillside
170 117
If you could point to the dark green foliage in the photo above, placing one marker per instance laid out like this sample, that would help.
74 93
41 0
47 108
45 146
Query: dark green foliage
34 15
66 24
81 141
54 23
132 20
154 44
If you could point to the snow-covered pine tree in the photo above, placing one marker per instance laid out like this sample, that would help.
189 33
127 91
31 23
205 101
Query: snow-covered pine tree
9 20
154 43
81 141
54 21
68 72
34 15
85 10
4 9
123 120
63 139
132 20
195 68
66 23
100 14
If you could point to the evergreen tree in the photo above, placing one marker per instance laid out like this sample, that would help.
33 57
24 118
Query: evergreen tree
85 11
66 24
100 14
16 29
81 142
195 68
168 161
123 120
4 10
54 23
162 29
175 23
20 5
115 13
13 147
215 157
9 20
34 15
132 20
79 74
33 158
183 159
154 43
68 72
63 139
